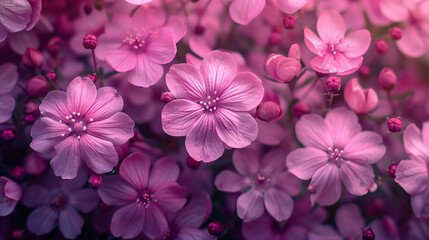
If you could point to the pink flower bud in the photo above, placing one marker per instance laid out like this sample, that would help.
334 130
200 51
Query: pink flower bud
274 39
192 163
215 228
269 111
368 234
295 52
167 97
333 83
90 41
387 79
37 86
381 47
364 72
52 76
394 124
396 33
289 22
360 100
53 46
17 235
92 77
29 119
8 135
281 68
32 58
199 30
95 181
18 172
32 108
392 170
299 109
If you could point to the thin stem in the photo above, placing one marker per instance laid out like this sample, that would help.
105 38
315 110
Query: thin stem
392 106
95 65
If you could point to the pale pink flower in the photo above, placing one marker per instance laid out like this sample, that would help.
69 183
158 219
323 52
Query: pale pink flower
270 184
82 124
335 150
8 79
211 106
10 194
361 101
412 174
138 2
336 52
144 195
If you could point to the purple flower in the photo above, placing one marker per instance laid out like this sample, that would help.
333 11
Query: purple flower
82 124
10 194
8 79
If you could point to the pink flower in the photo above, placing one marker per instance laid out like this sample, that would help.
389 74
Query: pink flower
211 106
18 15
8 79
139 46
81 124
360 100
270 184
144 194
412 174
335 151
58 202
10 194
336 52
138 2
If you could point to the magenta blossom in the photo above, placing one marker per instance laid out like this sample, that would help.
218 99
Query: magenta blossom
211 106
335 150
336 52
81 124
144 195
8 79
270 184
413 174
10 194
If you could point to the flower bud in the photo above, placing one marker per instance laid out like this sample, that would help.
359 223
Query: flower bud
167 97
368 234
192 163
199 30
282 69
392 170
274 39
29 119
37 86
381 47
269 111
396 33
92 77
17 235
394 124
8 135
90 41
360 100
34 164
289 22
53 46
51 76
95 181
18 172
387 79
364 72
299 109
32 108
32 58
295 52
215 228
333 83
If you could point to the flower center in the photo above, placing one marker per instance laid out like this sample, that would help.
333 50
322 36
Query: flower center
335 48
261 180
76 125
145 199
58 201
136 40
336 155
209 104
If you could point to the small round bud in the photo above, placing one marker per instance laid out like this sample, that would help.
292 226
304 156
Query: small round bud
18 172
92 77
167 97
364 72
53 46
299 109
104 207
199 30
333 83
368 234
274 39
17 235
392 170
8 135
381 47
387 79
32 58
192 163
269 111
289 22
394 124
29 119
95 181
51 76
90 41
32 108
215 228
37 86
396 33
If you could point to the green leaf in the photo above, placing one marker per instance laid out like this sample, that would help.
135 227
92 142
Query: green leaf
110 74
403 95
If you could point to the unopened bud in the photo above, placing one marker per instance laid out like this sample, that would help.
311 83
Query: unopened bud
32 58
29 119
274 39
51 76
299 109
53 46
192 163
199 30
392 170
396 33
333 83
95 181
167 97
368 234
394 124
8 135
364 72
269 111
381 47
92 77
289 22
18 172
37 86
215 228
90 41
387 79
17 235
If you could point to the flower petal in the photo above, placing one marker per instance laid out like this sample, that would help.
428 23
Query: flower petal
163 170
81 94
170 196
66 161
15 15
244 11
121 60
135 170
70 223
42 220
107 103
99 155
179 116
7 104
304 162
229 181
412 42
330 26
246 161
84 200
356 178
196 211
413 143
146 72
311 132
218 70
185 81
250 205
161 47
46 134
235 129
342 125
356 43
8 78
314 43
291 6
117 129
54 106
364 148
349 229
127 222
278 203
420 203
156 225
35 196
394 10
412 175
326 185
115 191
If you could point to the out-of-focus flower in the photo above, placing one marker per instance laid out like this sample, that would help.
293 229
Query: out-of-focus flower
37 86
335 151
10 194
387 79
8 79
269 111
32 58
282 69
299 109
360 100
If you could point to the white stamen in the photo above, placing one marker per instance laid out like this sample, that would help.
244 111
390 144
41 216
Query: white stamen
62 134
69 129
91 119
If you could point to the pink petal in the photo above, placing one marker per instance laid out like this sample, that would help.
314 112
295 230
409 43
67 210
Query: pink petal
235 129
115 191
99 155
412 42
202 141
326 185
273 161
287 182
250 205
121 60
342 125
330 26
356 178
420 203
278 203
7 104
135 170
304 162
190 233
117 129
66 161
314 43
81 94
311 132
156 225
8 78
84 200
185 81
35 196
349 229
373 10
244 11
177 26
339 64
170 196
36 8
3 33
138 2
128 221
46 134
70 223
107 103
356 43
246 161
218 70
15 15
255 230
161 47
54 105
163 170
394 10
324 232
13 190
229 181
244 93
413 142
179 116
269 133
291 6
7 206
146 72
412 175
42 220
364 148
425 135
195 213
